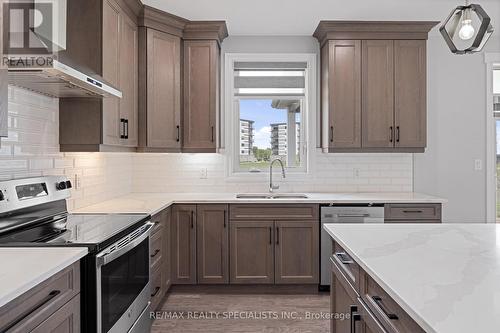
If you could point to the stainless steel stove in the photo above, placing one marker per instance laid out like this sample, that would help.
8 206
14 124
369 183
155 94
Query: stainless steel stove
115 275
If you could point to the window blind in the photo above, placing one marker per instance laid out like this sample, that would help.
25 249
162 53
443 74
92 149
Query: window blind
269 78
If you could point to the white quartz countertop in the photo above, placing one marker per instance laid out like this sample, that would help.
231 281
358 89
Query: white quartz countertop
445 276
25 267
152 203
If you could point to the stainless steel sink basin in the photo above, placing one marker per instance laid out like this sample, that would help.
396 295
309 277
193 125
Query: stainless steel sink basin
289 196
254 196
271 196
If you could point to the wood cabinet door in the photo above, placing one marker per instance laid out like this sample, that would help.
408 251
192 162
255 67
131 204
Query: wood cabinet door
111 29
129 80
163 115
297 252
64 320
213 241
167 253
201 90
342 303
344 93
252 252
410 73
378 94
183 244
4 84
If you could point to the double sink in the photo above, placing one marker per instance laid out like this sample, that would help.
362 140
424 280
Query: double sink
271 196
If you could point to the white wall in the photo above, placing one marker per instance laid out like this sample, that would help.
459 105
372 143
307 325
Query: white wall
32 150
457 127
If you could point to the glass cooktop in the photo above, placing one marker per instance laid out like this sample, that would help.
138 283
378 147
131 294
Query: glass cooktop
74 229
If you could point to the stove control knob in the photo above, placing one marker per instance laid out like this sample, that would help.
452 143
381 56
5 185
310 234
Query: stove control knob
68 184
2 196
61 186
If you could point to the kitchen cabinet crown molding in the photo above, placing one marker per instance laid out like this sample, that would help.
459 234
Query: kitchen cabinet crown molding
157 19
329 30
191 30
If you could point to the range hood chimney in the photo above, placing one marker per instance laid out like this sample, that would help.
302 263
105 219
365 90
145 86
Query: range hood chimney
35 64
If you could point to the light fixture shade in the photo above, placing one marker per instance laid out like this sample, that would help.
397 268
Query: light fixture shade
483 35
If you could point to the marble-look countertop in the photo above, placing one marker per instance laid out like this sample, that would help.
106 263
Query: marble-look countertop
445 276
25 267
152 203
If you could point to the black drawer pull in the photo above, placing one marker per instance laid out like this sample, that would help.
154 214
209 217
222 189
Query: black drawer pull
178 134
344 258
355 317
155 253
29 312
378 302
157 289
413 211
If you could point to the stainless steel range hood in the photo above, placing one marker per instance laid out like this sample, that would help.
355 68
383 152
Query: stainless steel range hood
60 80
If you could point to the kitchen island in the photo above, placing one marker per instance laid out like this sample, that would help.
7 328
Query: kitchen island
435 278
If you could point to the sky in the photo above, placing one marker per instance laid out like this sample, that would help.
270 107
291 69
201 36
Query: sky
260 111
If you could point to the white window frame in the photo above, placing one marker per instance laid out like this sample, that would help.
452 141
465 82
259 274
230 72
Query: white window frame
308 115
491 162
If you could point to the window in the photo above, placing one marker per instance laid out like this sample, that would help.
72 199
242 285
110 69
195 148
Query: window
269 114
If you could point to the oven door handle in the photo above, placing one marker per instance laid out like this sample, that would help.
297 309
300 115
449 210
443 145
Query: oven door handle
105 256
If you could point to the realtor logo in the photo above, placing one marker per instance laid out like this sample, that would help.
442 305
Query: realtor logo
27 28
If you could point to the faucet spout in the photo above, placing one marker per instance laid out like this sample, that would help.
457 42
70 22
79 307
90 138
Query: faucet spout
273 187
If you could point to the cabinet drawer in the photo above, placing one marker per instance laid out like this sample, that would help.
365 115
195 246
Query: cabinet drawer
415 212
412 221
349 268
66 319
155 251
392 317
157 290
33 307
274 212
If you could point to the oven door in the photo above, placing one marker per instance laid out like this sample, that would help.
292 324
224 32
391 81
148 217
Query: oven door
123 286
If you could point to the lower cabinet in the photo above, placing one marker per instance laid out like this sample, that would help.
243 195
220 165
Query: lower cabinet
281 252
64 320
159 253
252 252
183 237
296 252
212 238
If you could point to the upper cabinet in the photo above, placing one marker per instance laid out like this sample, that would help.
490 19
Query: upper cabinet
373 85
179 83
109 124
166 67
3 86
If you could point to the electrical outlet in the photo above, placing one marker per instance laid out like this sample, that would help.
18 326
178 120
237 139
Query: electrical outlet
478 165
204 173
78 182
356 172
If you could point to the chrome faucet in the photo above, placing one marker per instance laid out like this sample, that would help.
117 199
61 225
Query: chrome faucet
273 187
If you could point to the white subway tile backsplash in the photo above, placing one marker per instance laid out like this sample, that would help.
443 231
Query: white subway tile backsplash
32 149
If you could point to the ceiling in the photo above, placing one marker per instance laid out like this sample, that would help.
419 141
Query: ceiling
300 17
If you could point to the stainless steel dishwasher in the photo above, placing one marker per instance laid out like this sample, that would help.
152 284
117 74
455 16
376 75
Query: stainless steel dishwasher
353 213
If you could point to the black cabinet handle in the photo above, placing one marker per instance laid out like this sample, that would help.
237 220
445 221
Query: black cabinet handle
412 211
277 235
331 133
212 134
192 219
270 235
126 128
154 254
397 133
391 129
224 219
355 317
178 133
378 302
157 289
28 313
122 128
